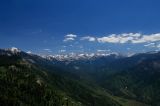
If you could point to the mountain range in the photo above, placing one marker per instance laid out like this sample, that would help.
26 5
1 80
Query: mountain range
79 79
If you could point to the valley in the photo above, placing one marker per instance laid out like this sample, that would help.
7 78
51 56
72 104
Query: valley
109 80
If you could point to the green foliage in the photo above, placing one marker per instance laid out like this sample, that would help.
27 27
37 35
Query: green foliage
27 84
29 80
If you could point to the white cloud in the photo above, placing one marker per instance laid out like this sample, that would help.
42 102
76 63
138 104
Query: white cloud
89 38
153 45
129 38
68 39
134 38
101 50
148 38
110 39
48 50
150 45
71 36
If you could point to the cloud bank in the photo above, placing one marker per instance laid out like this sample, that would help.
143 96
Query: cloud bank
129 38
132 38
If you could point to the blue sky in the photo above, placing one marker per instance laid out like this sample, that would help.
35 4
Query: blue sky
63 26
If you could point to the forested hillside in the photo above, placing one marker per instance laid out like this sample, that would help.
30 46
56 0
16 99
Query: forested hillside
28 79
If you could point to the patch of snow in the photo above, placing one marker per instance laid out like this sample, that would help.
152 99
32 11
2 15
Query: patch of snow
14 50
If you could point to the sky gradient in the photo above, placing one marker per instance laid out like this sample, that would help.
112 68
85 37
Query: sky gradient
65 26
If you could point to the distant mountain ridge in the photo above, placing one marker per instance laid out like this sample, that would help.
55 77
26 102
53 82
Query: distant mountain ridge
85 80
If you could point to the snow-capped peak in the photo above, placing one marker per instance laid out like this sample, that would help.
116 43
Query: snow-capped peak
74 56
29 52
14 50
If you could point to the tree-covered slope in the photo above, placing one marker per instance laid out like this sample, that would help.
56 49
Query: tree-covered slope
31 80
135 77
141 82
23 83
28 79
